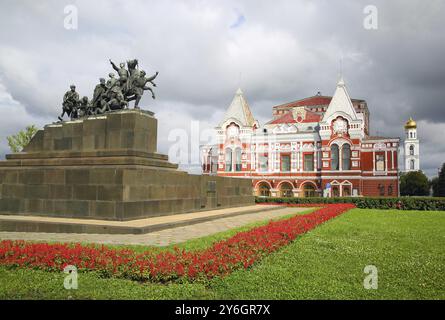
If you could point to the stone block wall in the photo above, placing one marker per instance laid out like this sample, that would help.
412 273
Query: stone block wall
115 131
107 168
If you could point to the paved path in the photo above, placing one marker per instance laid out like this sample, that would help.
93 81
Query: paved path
159 238
147 222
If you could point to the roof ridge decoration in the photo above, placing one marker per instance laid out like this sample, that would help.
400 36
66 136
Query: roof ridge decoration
299 102
340 103
292 117
299 113
239 110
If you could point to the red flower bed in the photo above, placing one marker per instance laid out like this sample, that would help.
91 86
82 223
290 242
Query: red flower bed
240 251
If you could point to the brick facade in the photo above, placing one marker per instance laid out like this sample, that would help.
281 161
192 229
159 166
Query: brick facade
318 146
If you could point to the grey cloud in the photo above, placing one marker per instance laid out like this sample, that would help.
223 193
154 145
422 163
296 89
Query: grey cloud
284 51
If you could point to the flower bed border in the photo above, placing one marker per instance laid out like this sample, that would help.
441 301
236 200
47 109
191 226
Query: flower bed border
238 252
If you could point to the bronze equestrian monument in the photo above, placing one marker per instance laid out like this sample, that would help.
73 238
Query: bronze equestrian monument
102 164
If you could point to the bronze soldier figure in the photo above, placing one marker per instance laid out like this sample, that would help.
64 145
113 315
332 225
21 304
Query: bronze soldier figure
70 103
113 94
112 81
84 107
103 104
123 74
139 87
99 90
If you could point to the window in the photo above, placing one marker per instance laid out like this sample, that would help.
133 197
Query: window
238 159
263 162
346 157
264 190
412 164
390 190
286 190
334 157
380 162
285 163
335 191
309 190
228 159
411 150
309 162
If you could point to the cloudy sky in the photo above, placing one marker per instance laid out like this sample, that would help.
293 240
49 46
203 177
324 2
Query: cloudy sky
276 51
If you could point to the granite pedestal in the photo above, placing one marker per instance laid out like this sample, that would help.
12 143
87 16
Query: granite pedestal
107 167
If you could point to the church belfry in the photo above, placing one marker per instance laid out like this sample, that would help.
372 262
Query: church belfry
412 161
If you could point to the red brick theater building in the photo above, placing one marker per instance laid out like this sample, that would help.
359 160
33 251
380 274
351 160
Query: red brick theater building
317 146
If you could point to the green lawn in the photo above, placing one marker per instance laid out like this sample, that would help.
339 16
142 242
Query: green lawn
407 247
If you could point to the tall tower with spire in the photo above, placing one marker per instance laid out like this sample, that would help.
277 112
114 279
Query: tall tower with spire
412 161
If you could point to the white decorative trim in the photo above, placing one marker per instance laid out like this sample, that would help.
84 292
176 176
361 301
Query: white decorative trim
283 181
261 181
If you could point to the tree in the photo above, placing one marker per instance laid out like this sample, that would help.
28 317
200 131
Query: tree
435 186
18 141
414 183
441 183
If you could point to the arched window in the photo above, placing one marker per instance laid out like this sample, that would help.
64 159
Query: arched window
411 150
263 190
286 190
412 165
346 157
334 157
228 159
238 159
309 190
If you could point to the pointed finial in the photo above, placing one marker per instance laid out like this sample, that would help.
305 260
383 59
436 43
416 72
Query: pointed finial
341 82
341 66
240 79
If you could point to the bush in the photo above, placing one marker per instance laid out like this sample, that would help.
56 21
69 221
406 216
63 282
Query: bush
414 183
401 203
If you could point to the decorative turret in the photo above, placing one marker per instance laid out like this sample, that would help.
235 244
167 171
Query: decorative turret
239 111
412 146
340 104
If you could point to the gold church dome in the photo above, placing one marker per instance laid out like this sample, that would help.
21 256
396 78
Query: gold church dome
411 124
